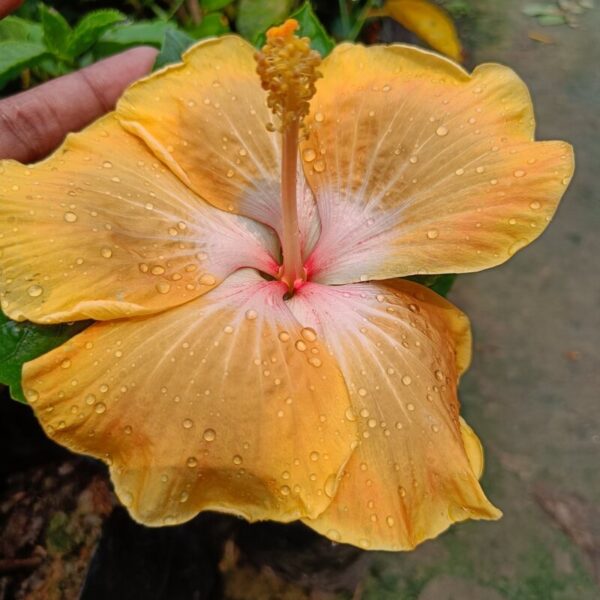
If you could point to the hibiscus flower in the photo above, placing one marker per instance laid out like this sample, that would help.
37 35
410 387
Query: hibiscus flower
240 242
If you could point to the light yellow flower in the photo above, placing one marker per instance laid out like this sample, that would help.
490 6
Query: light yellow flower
224 376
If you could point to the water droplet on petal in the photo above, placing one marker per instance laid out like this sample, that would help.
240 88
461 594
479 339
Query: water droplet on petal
163 287
251 315
319 117
519 173
191 462
237 460
284 336
100 408
70 217
334 535
188 423
349 414
309 155
535 205
432 234
35 290
406 379
32 396
209 435
106 252
107 164
330 486
309 334
319 166
441 131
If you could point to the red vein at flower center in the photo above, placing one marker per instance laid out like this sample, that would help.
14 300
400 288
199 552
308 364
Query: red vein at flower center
288 70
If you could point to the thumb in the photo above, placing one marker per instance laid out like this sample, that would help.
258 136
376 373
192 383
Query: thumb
35 122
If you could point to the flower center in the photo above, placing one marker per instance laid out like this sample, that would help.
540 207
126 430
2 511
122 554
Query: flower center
288 70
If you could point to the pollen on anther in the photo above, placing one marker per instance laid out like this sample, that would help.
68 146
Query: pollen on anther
287 67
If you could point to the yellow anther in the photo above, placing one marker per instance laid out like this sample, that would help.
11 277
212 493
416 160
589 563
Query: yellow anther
288 71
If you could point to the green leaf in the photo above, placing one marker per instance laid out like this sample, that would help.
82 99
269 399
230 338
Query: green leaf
121 37
22 30
441 284
536 9
310 27
175 43
90 28
212 25
551 20
57 32
16 56
22 342
256 16
212 5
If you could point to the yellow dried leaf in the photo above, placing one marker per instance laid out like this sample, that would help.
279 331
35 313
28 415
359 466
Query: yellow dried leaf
427 20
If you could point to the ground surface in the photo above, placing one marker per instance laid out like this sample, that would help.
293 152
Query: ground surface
531 394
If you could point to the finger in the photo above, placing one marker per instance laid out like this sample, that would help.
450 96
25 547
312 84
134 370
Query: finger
7 6
33 123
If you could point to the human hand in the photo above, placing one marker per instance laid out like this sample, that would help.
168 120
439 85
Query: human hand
34 122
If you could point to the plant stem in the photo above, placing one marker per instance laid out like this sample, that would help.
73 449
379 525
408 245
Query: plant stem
345 17
360 21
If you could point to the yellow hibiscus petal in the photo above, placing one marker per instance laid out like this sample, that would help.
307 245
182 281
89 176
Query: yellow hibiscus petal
224 403
419 167
207 120
416 468
101 230
427 20
473 448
